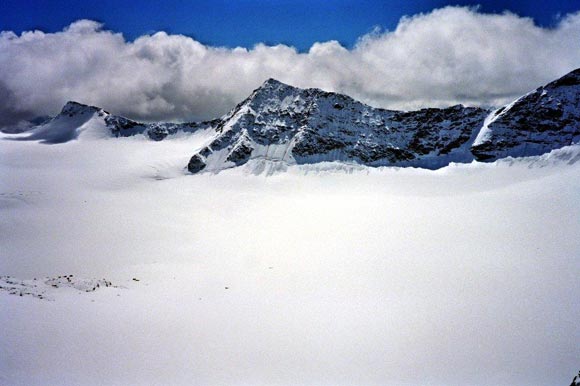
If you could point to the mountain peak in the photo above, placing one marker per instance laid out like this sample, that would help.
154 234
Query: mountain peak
570 79
74 108
273 82
270 90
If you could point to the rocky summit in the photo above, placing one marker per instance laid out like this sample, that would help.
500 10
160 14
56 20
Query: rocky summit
282 123
279 122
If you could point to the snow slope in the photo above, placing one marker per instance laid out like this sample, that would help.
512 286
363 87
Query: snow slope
74 119
42 288
78 121
326 274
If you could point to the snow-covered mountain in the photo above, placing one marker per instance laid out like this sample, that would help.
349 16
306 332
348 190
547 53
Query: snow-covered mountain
285 124
279 122
78 120
540 121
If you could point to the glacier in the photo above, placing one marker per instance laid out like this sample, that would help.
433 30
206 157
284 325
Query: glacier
290 268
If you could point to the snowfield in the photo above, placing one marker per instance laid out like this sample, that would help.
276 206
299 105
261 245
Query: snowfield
269 274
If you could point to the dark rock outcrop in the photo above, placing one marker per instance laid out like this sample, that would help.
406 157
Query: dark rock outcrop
545 119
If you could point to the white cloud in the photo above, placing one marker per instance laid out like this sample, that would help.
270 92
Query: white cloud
450 55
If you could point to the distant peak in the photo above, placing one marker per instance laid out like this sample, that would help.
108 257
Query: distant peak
271 83
72 104
269 88
72 108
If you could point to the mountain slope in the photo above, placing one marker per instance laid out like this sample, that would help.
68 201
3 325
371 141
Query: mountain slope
283 123
542 120
73 120
76 120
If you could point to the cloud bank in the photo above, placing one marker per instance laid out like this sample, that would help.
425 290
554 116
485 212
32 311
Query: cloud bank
450 55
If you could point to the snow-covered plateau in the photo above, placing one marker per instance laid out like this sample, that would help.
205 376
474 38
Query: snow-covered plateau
282 271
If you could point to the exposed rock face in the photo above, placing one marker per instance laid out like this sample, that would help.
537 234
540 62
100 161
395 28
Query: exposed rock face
196 164
123 127
281 122
545 119
72 108
576 380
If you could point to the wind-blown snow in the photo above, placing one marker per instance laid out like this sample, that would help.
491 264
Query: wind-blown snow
484 133
328 274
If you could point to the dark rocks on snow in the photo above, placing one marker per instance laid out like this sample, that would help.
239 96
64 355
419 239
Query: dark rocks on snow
241 154
196 164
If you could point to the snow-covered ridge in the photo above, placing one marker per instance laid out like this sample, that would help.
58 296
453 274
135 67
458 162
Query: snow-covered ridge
73 120
287 125
536 123
77 120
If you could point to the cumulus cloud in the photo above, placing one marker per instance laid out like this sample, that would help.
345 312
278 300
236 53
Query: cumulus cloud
450 55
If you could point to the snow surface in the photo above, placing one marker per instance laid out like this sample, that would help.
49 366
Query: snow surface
44 288
329 274
83 121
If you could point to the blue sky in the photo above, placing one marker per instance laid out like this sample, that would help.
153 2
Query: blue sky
246 22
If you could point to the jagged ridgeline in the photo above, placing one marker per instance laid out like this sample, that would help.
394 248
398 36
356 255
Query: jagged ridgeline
284 123
281 123
76 117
